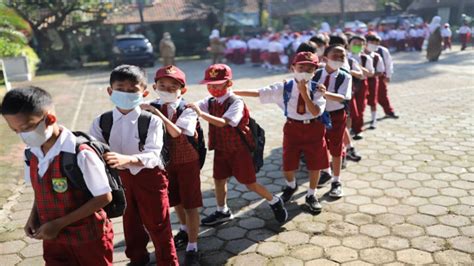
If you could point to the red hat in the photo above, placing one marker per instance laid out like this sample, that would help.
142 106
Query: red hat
171 72
306 58
217 74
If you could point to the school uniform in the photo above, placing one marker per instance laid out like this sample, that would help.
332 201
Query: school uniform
275 48
464 36
334 136
361 89
88 241
446 34
146 187
383 99
184 166
302 133
401 40
254 47
231 155
373 82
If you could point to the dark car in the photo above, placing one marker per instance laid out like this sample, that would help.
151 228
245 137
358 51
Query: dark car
132 49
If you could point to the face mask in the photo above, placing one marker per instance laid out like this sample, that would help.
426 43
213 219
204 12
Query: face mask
335 64
169 97
320 51
299 76
217 93
126 100
38 136
372 47
356 49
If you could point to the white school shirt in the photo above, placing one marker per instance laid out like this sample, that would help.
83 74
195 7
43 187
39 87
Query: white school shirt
380 67
401 34
464 30
234 113
446 32
275 47
253 44
186 121
345 89
91 165
369 64
412 33
387 59
274 94
124 138
264 44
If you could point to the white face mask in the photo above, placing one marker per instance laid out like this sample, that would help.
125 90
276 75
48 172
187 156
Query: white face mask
169 97
37 136
320 51
335 64
372 47
303 76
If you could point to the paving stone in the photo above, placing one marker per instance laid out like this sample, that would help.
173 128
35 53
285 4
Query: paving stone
407 230
468 230
215 258
393 242
10 259
356 263
373 209
452 257
250 259
462 243
325 241
358 218
377 255
252 223
424 192
402 209
11 247
212 243
258 235
415 201
307 252
428 243
431 209
421 219
389 219
454 220
444 200
272 249
374 230
371 192
358 200
31 261
414 256
386 201
285 261
241 246
293 238
321 262
312 227
342 229
358 242
341 254
465 210
231 233
443 231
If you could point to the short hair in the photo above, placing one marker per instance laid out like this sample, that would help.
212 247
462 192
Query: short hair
131 73
338 39
373 37
26 100
332 47
306 47
357 37
318 39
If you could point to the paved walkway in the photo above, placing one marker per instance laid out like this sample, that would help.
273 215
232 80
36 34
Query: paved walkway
409 201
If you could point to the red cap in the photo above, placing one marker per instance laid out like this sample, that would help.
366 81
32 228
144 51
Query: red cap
171 72
217 74
306 58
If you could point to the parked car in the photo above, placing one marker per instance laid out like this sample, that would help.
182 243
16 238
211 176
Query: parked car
355 26
399 20
133 49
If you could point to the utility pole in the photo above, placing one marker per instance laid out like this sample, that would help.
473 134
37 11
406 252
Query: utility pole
141 4
343 12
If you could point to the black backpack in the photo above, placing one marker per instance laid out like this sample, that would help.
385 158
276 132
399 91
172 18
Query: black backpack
200 144
71 170
106 122
258 134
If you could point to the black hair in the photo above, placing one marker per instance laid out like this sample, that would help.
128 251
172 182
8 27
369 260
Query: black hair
372 37
338 39
131 73
306 47
318 40
357 37
331 47
26 100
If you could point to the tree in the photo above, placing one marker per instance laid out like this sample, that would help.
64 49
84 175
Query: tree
52 23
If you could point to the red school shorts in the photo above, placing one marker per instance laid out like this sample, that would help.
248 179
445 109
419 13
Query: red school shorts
234 163
185 185
334 136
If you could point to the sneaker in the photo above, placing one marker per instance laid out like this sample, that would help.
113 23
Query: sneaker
217 218
352 155
324 179
392 115
281 215
180 239
288 193
357 137
313 204
336 190
343 162
191 258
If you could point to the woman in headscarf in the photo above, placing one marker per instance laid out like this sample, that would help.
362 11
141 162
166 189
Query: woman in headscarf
167 49
435 40
216 46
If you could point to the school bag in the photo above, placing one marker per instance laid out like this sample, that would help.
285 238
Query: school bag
339 80
258 135
70 169
106 122
199 144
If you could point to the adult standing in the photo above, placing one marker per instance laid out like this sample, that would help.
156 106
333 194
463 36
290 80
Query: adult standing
167 49
216 47
435 40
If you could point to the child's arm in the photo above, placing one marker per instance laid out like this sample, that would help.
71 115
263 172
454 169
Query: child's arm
247 93
304 92
117 160
214 120
32 224
171 128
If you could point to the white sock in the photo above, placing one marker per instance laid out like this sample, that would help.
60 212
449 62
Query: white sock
327 170
336 179
222 209
310 192
350 145
192 246
183 227
273 200
291 184
374 116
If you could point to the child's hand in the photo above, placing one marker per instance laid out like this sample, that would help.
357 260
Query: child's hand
321 88
47 231
116 160
31 227
195 107
149 108
302 86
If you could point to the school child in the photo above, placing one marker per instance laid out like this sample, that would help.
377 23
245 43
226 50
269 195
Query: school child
184 166
446 34
136 139
464 34
401 39
384 79
360 86
231 140
338 84
302 103
275 49
379 68
254 47
71 222
321 42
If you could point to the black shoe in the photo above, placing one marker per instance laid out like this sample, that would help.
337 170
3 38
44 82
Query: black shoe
180 239
313 204
217 218
392 115
279 210
142 262
191 258
336 190
357 136
343 162
352 155
288 193
373 125
324 179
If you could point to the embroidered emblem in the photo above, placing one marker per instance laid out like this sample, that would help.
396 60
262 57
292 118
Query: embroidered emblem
213 73
170 70
60 184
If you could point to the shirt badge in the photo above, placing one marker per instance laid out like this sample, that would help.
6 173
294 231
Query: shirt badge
60 184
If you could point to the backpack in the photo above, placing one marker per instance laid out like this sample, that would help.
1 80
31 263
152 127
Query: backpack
258 135
106 122
339 80
71 170
200 144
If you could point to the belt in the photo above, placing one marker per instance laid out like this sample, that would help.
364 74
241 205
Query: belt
307 121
